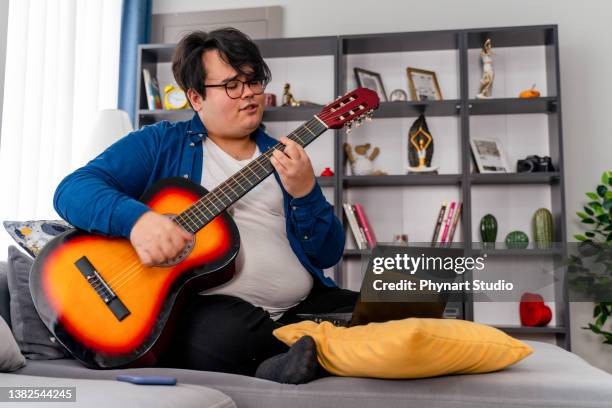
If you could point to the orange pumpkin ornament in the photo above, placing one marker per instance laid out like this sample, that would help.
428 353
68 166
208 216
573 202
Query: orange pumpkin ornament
530 93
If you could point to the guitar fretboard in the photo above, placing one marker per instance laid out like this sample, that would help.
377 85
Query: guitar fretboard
231 190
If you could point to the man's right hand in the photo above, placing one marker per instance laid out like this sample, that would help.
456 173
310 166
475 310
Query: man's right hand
157 239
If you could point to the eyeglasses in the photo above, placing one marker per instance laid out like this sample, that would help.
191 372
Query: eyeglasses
235 87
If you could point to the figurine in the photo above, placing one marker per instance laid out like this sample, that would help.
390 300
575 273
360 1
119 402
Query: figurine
288 99
420 148
361 163
486 82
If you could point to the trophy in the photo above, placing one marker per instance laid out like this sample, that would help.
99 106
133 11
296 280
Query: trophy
420 148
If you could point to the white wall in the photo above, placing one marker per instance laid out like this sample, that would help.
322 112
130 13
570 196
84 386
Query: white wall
586 66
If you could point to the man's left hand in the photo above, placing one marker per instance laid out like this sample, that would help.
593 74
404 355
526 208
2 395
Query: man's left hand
294 168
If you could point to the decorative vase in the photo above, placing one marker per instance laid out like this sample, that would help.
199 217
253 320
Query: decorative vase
488 230
542 228
517 240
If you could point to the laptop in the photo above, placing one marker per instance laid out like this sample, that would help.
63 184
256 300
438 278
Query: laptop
366 312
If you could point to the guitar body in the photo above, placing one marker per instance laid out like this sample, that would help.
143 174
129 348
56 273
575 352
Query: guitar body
109 310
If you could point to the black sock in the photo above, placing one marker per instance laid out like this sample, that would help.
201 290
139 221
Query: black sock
297 366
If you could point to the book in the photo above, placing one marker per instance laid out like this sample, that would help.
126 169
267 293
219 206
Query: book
360 239
151 90
449 219
434 238
367 228
455 222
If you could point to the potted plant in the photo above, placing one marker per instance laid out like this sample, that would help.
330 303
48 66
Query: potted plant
591 269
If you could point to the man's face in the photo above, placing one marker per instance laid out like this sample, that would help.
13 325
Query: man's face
222 115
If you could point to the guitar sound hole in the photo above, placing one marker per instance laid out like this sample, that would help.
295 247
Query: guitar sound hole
184 253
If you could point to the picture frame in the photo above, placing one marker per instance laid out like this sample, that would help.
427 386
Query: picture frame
423 85
371 80
489 155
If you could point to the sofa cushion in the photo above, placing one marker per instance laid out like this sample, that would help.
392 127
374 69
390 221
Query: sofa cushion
551 377
11 358
408 348
5 310
34 339
32 236
116 394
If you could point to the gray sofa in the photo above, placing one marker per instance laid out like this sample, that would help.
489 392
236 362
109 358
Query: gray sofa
551 377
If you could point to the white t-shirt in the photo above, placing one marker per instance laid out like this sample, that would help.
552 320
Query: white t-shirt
268 274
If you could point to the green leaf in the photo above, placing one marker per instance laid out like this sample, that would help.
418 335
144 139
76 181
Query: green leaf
602 190
594 196
588 221
594 204
590 234
588 211
594 328
580 237
604 177
583 215
608 195
603 218
607 204
596 311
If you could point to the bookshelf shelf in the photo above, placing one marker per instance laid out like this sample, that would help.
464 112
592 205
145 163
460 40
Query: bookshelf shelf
355 252
402 180
326 181
516 178
402 109
511 106
510 329
518 252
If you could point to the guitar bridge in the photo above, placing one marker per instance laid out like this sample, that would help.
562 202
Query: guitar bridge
98 284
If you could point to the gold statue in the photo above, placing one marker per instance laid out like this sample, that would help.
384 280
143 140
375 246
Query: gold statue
288 99
486 82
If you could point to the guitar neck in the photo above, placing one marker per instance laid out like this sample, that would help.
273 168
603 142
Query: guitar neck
231 190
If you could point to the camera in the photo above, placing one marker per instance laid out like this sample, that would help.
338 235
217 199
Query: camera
534 164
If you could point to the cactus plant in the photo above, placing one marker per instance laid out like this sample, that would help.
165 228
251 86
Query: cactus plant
542 228
517 239
488 229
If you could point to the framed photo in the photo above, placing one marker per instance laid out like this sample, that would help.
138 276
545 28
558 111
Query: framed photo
489 155
423 85
371 80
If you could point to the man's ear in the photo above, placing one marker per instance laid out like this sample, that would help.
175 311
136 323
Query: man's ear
195 99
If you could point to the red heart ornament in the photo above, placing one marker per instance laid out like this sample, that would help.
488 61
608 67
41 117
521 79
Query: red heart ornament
533 311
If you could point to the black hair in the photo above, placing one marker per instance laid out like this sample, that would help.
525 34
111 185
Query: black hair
235 48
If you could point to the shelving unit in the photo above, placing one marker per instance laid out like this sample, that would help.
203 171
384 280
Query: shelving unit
320 68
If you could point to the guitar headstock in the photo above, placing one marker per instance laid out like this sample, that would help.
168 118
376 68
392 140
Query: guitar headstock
354 107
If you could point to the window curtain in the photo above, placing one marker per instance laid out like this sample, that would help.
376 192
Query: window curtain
62 67
135 30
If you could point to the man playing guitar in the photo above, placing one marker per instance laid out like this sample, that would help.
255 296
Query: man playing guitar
288 230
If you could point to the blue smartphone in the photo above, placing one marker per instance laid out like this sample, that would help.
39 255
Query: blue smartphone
147 379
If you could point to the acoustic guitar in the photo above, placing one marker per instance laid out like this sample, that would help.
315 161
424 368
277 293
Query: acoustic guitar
107 308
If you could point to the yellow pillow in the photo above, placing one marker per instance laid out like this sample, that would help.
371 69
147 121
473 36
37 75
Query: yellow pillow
409 348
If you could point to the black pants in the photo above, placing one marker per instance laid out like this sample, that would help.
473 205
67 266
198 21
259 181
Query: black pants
227 334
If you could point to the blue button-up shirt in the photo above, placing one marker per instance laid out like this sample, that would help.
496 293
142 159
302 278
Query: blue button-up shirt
101 196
